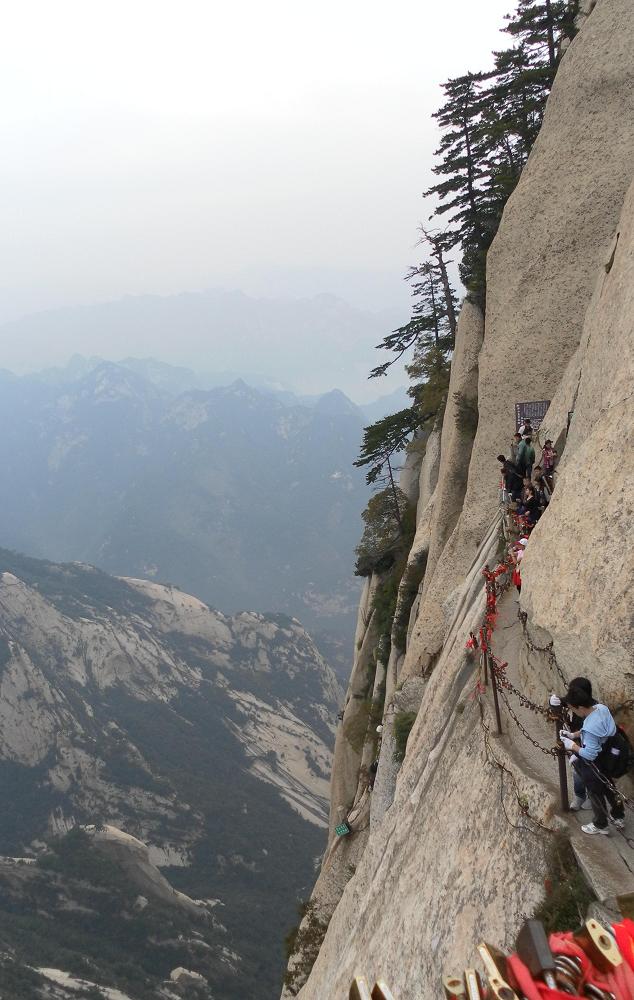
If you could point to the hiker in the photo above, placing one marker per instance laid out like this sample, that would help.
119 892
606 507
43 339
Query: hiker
529 507
526 430
541 485
515 443
592 758
512 478
549 457
517 554
580 799
526 456
526 485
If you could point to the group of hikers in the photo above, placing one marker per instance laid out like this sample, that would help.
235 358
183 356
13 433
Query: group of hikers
528 487
599 750
527 484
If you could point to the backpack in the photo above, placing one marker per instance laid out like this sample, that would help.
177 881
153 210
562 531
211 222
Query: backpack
616 757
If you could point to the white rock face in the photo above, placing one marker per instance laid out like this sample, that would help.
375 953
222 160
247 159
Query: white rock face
75 985
59 667
443 867
133 857
458 431
541 270
584 603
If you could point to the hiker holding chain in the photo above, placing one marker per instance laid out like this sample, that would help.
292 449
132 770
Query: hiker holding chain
594 758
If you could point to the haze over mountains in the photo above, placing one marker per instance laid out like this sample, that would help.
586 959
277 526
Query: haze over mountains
139 470
309 344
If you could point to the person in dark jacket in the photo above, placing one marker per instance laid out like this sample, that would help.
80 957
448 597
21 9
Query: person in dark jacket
512 479
542 487
526 457
530 505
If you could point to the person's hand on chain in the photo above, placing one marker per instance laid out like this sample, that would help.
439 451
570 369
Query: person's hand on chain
570 744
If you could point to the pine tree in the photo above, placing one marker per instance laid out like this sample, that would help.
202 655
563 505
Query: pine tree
489 123
382 534
384 439
540 25
461 154
434 309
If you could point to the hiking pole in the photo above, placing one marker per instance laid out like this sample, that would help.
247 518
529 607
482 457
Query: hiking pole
494 685
561 760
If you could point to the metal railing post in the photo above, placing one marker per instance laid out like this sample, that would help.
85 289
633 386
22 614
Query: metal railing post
561 760
494 685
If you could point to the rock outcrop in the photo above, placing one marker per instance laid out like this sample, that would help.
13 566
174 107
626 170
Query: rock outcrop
133 858
457 848
206 737
458 430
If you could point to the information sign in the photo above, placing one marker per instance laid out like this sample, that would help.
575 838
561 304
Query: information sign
535 412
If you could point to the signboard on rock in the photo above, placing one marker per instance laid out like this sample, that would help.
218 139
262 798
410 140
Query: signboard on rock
535 412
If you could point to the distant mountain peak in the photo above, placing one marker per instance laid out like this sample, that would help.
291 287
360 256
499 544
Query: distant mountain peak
110 382
337 403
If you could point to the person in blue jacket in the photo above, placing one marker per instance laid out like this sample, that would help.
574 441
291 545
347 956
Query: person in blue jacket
598 726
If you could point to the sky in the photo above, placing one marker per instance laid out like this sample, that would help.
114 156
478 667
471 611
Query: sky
279 148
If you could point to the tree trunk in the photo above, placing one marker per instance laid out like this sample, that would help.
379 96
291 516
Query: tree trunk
434 308
552 52
397 509
444 277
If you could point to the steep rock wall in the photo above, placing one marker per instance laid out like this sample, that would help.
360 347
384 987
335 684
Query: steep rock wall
580 563
541 269
458 430
442 865
353 724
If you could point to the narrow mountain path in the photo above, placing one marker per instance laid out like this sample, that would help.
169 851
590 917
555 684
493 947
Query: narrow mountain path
607 862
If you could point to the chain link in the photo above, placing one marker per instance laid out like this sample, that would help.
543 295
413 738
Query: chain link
548 649
549 751
522 803
504 682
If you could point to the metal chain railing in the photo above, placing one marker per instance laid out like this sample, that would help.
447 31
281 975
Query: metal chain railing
502 679
505 771
548 649
549 751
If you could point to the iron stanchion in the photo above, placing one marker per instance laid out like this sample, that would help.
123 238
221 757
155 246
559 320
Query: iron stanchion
494 685
561 759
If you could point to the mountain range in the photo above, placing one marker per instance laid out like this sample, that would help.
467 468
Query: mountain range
189 745
308 343
244 497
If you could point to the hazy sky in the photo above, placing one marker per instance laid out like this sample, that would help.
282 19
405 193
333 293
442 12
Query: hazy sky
280 147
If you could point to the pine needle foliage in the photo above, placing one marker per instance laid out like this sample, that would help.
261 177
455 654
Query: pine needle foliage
489 121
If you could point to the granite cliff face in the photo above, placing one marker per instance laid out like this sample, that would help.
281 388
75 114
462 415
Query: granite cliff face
203 737
456 843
